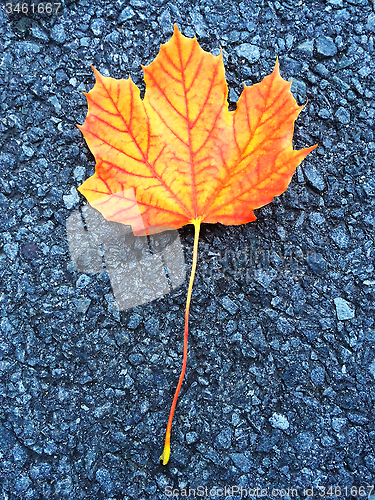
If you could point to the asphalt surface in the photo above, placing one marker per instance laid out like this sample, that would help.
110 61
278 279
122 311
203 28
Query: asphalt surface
279 390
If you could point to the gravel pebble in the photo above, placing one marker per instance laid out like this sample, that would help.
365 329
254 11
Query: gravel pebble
104 478
340 236
343 115
279 421
250 52
97 26
338 423
325 46
344 309
370 25
126 14
229 305
191 437
318 375
306 48
314 177
58 33
224 439
243 462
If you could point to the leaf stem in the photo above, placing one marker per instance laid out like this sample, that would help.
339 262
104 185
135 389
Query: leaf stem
167 448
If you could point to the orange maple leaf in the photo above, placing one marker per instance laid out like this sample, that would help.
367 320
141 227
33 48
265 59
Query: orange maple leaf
179 156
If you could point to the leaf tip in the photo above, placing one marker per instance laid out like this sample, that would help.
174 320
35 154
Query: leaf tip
177 33
277 65
175 29
96 72
276 70
81 128
302 153
220 56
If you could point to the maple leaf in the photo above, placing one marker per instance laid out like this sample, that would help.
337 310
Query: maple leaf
179 156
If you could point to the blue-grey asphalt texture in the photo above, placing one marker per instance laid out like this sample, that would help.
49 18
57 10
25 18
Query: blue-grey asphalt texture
279 390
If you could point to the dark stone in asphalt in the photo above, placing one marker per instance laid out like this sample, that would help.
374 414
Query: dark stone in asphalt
325 46
343 115
314 177
317 263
